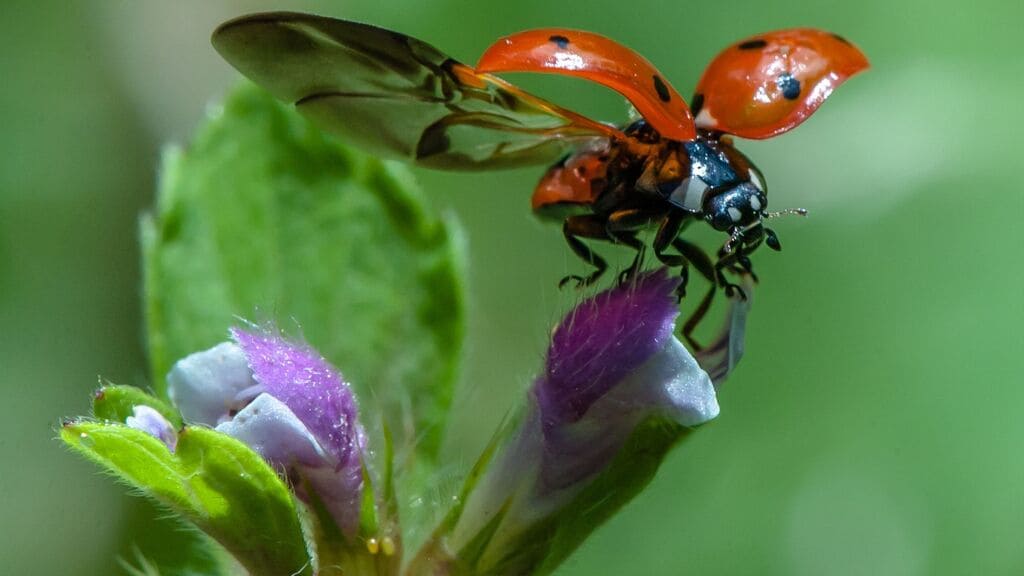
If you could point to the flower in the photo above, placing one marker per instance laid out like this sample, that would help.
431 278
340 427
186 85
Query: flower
614 372
613 361
288 404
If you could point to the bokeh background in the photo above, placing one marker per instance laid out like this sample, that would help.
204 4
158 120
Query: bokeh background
873 428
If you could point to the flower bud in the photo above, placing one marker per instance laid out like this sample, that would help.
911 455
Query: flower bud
288 404
153 423
614 370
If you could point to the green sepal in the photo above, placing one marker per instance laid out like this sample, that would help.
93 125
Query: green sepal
539 548
115 403
629 473
211 479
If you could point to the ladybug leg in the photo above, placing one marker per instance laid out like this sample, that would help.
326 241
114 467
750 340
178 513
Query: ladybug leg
729 261
585 226
696 256
747 266
668 231
696 317
622 228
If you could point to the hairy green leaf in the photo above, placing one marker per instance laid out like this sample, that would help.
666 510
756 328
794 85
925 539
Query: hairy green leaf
211 479
115 403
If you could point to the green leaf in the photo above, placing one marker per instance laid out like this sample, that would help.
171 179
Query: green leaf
211 479
265 216
115 403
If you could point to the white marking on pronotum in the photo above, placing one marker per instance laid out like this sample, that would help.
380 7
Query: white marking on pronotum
689 195
755 203
735 214
756 180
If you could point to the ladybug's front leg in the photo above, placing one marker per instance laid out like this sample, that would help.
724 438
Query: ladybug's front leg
667 235
729 261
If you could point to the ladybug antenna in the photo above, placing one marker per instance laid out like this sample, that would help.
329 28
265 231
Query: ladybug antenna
786 212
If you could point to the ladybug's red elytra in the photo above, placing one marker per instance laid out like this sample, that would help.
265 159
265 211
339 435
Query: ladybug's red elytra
400 97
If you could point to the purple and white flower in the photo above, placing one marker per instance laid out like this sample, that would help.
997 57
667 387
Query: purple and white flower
288 404
613 363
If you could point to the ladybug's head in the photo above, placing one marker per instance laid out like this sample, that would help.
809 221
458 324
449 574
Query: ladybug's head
738 207
741 211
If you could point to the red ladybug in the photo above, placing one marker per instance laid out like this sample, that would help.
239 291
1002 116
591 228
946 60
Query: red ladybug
401 97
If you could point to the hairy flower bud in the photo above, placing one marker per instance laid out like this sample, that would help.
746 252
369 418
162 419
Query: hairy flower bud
288 404
615 372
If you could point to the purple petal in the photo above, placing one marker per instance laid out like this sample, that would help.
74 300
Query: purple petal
604 339
300 378
153 423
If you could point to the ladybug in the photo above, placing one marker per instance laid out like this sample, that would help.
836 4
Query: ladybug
676 164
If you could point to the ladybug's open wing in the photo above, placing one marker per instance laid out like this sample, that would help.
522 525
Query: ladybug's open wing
598 59
770 83
399 96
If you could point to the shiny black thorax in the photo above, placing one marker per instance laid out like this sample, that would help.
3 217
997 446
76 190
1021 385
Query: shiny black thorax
707 178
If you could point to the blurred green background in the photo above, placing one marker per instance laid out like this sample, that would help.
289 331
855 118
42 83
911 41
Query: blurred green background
874 426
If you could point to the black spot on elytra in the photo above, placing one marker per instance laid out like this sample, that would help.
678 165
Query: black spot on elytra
789 85
696 104
755 44
661 89
562 41
841 39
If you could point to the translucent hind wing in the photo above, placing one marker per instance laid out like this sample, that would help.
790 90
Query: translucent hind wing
398 96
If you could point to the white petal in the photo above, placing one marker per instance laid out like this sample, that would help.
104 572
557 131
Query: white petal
687 389
153 423
271 429
204 385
